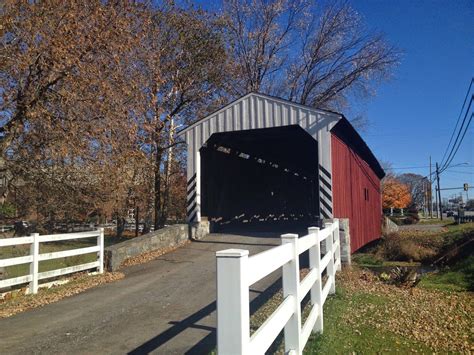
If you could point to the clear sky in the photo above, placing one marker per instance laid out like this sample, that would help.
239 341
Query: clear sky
413 115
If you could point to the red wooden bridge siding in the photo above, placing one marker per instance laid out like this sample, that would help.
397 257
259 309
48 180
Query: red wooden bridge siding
356 193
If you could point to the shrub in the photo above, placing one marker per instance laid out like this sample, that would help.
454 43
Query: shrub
410 220
397 248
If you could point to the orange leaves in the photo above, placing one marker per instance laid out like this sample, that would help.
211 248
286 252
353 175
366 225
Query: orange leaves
395 194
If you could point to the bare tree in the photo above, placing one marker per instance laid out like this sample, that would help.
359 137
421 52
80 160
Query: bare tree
417 185
338 56
319 55
259 36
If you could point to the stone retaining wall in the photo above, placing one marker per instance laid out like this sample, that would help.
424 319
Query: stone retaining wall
166 237
389 226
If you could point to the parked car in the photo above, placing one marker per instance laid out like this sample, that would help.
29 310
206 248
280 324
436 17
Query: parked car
450 213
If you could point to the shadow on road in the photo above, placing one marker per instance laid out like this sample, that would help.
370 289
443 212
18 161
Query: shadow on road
208 343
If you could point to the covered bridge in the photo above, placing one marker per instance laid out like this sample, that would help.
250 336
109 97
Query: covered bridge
264 163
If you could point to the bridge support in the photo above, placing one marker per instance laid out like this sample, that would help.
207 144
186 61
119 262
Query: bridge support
198 230
345 239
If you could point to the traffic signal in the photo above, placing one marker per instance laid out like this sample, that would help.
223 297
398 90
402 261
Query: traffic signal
466 186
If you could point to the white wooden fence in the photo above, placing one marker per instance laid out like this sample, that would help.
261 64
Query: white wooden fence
34 257
236 271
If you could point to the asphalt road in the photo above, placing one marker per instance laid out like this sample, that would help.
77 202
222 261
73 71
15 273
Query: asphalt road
166 306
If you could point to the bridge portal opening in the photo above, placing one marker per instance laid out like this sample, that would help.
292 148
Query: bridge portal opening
261 179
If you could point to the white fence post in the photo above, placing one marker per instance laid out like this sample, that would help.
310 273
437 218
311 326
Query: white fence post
34 251
100 244
233 309
316 290
291 283
331 272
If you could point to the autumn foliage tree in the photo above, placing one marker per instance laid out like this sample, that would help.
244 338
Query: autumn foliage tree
395 194
92 93
69 96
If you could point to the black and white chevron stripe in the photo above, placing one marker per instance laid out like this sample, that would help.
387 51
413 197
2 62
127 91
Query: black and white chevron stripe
325 189
191 199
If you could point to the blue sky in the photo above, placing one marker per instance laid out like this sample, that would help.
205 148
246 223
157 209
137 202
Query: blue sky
413 115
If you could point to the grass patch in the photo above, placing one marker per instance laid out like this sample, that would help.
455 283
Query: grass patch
435 220
339 337
47 265
459 277
370 317
367 259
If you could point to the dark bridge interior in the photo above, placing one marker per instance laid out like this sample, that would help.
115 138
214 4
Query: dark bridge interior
261 179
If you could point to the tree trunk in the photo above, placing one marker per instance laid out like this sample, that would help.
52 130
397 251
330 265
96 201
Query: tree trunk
120 226
166 195
158 220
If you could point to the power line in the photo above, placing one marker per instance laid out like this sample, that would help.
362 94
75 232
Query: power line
462 138
460 172
459 117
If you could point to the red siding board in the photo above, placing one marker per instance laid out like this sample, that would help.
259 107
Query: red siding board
351 178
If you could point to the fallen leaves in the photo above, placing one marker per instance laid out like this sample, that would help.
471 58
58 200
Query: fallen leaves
78 283
443 321
146 257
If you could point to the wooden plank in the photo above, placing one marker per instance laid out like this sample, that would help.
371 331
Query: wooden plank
67 253
324 233
308 283
309 325
325 261
269 330
16 261
67 270
15 281
266 262
68 236
6 242
327 288
306 242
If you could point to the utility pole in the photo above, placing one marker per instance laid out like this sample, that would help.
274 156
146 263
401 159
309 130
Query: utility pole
439 192
430 192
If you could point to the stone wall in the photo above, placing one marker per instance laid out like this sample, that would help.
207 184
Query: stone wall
199 230
345 240
166 237
389 226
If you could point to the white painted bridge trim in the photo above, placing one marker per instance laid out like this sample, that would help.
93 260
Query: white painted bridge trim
236 271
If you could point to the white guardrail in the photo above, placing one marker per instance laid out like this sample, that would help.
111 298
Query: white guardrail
34 258
236 271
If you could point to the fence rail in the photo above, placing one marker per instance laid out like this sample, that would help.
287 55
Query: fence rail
236 272
34 258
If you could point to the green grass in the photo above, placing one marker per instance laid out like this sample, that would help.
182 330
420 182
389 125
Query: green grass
366 259
435 220
458 278
341 338
47 265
